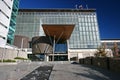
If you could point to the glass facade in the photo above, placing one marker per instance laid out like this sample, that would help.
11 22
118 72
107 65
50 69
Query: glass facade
60 48
85 34
10 36
111 44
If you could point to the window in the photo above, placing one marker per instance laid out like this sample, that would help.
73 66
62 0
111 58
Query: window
4 13
6 4
3 25
2 37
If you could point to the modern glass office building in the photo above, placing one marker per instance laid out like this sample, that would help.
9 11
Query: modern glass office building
84 35
86 32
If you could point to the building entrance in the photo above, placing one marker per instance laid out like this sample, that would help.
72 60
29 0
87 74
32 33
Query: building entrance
54 45
59 58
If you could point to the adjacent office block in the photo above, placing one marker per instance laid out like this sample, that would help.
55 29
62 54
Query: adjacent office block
111 43
5 16
12 25
8 9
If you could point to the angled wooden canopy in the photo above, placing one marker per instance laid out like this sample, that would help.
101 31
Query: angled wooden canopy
60 32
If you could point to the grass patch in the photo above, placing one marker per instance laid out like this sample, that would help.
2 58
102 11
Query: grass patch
7 60
20 58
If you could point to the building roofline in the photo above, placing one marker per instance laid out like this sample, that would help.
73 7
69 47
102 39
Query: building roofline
56 10
111 39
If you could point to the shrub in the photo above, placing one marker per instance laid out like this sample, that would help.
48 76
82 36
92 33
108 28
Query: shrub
7 60
21 58
101 52
73 58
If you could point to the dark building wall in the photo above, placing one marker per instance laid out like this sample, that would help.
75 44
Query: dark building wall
21 41
41 45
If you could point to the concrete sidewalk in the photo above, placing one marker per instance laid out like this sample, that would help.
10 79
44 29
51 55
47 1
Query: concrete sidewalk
81 72
61 71
16 71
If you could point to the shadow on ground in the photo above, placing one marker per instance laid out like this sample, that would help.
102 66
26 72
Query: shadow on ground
95 73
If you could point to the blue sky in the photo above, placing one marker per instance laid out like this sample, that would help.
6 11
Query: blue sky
108 12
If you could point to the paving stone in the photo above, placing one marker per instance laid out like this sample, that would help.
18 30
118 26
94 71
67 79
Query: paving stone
60 71
81 72
41 73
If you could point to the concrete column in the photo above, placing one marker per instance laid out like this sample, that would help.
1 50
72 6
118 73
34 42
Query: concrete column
47 58
53 48
68 50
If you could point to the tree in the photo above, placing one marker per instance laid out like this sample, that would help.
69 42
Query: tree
101 52
115 49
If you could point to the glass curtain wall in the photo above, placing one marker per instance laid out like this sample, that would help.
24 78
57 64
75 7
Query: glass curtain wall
85 34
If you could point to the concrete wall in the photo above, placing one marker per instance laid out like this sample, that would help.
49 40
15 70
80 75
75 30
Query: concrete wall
88 60
101 62
11 53
21 41
112 64
83 53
